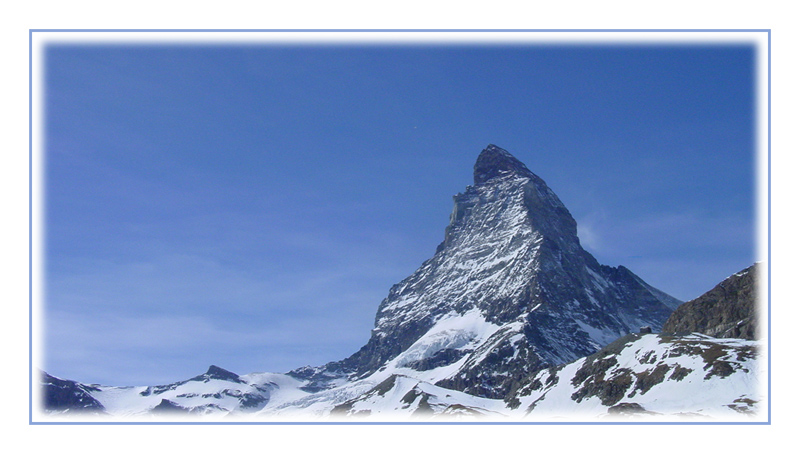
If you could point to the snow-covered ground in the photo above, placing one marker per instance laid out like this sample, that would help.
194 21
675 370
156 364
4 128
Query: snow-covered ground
647 377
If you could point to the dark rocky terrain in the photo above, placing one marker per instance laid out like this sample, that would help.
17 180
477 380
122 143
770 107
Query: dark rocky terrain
69 396
727 310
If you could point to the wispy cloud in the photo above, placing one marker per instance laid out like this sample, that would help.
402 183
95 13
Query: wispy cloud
590 231
662 247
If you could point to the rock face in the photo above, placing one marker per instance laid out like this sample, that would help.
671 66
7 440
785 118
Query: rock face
512 264
727 310
69 396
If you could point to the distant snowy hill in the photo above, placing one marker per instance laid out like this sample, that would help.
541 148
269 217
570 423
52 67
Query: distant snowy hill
506 320
661 377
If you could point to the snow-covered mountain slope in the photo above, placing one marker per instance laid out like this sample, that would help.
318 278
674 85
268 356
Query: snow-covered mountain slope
658 377
639 375
216 392
653 375
405 397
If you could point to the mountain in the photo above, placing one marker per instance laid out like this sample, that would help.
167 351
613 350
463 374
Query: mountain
509 291
727 310
215 392
67 396
510 318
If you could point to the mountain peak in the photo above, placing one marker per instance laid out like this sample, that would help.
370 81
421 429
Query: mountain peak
495 161
221 374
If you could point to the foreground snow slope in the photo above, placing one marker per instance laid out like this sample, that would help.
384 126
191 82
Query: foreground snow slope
651 376
643 375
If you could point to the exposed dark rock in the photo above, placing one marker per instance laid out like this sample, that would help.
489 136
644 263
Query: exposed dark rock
494 162
423 407
458 409
221 374
438 359
217 373
649 378
346 408
743 405
69 396
252 401
168 406
628 409
498 372
720 360
727 310
596 384
592 378
679 373
213 373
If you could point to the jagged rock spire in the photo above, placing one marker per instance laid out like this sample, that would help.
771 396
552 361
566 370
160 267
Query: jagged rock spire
495 161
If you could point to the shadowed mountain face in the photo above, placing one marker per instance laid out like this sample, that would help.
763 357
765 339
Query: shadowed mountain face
69 396
727 310
511 257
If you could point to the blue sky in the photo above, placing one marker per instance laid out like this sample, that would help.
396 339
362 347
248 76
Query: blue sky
250 206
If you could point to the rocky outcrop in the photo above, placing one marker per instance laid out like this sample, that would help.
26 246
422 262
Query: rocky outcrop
727 310
69 396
